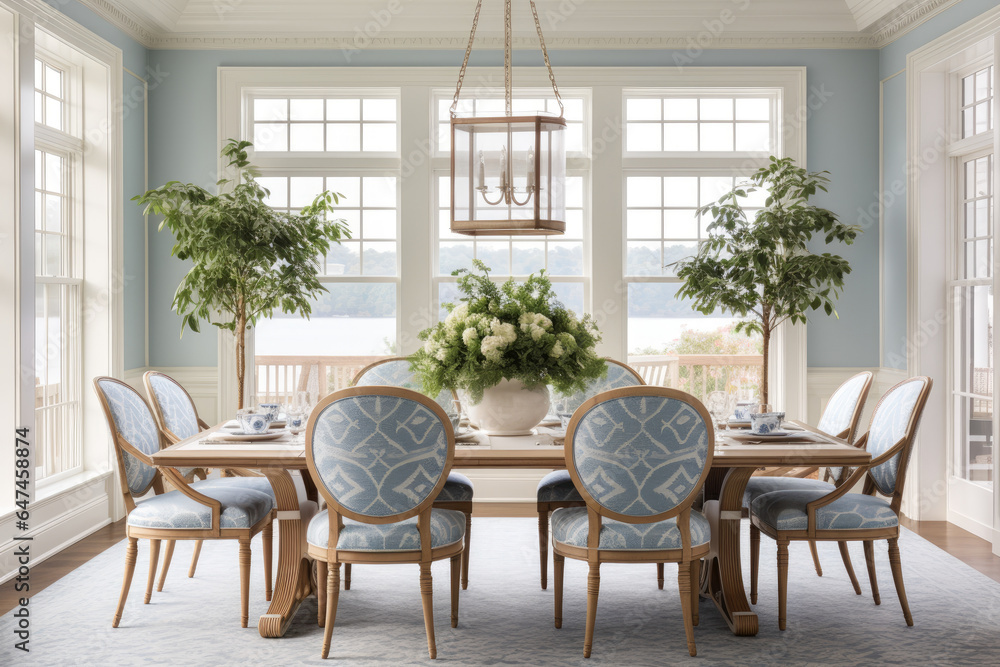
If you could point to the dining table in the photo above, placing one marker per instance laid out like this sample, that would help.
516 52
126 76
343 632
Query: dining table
737 456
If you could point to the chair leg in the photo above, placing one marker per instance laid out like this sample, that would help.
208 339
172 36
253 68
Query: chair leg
659 576
321 575
466 551
684 584
543 546
154 556
194 559
244 582
558 566
754 561
168 553
782 582
427 597
347 576
456 570
815 555
695 593
897 578
266 540
332 597
593 589
846 556
870 560
131 551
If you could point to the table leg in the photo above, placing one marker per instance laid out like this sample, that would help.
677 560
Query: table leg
292 585
722 575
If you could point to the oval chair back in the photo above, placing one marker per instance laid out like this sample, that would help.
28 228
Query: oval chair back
379 454
173 406
639 455
843 412
135 435
395 372
619 375
893 427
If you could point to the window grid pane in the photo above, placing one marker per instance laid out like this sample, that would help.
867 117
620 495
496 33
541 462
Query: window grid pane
50 95
351 124
702 124
977 102
976 247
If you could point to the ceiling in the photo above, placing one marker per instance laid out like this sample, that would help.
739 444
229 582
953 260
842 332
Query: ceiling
566 23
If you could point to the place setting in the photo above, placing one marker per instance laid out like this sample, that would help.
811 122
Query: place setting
267 422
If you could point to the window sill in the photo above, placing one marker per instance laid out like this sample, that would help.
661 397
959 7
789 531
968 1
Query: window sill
61 487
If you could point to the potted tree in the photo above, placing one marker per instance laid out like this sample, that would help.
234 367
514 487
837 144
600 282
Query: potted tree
761 269
249 259
502 346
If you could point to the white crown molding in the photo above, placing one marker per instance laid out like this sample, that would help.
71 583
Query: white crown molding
882 32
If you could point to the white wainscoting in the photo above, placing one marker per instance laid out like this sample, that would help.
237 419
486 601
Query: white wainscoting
202 382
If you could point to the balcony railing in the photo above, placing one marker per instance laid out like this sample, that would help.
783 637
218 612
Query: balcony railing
280 377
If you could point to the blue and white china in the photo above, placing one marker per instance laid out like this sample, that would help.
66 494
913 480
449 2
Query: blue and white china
252 422
762 423
295 421
272 410
743 410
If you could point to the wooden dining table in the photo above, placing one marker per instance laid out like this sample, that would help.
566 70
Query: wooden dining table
733 464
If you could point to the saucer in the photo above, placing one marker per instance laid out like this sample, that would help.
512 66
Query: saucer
772 434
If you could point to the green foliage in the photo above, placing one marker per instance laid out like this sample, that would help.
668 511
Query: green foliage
761 269
511 331
249 259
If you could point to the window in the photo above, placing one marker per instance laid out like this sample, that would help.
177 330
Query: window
58 280
977 102
346 123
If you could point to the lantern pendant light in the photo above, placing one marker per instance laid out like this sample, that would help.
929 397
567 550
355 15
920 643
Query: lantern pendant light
508 173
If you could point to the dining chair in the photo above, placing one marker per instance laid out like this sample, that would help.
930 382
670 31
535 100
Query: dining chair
840 419
556 489
177 418
458 490
639 456
380 457
198 511
837 515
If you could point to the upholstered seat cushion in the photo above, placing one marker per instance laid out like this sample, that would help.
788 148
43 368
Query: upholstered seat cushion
758 486
447 527
570 526
786 510
241 508
556 487
260 484
457 489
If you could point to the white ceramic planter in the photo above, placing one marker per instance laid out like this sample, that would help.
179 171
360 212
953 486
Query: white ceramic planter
508 408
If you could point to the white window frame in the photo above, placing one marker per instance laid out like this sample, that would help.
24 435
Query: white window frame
418 215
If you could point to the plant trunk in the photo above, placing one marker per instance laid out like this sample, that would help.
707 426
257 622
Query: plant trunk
766 331
241 367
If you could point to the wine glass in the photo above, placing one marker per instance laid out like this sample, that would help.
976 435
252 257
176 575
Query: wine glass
301 401
717 404
732 400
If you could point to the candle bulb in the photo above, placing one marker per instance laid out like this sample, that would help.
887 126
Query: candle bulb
482 171
531 169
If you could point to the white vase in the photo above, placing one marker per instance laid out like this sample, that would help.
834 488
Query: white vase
509 408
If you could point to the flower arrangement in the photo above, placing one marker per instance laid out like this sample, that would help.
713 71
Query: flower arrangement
511 331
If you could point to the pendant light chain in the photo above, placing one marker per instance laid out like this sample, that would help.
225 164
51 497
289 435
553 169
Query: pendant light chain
507 75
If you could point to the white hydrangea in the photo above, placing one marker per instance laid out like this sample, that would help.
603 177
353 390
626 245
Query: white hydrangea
441 354
504 330
492 348
556 351
469 335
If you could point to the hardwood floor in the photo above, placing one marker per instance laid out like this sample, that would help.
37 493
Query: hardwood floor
961 544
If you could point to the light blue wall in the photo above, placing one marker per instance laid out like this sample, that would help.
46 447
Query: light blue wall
892 60
133 107
842 138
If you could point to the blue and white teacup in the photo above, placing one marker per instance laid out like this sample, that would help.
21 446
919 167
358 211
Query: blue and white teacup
272 410
743 410
762 423
252 422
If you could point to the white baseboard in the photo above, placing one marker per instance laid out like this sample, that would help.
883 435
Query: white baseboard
975 527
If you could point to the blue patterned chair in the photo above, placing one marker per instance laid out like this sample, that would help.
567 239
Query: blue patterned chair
380 456
840 419
556 489
199 511
835 514
177 418
458 490
639 456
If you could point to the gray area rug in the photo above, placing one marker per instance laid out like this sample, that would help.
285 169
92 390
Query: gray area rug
505 618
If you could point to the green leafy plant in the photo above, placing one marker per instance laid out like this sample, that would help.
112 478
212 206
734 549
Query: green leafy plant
761 268
249 259
511 331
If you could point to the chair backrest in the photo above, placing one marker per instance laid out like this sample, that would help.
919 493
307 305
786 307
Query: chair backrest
132 424
395 372
379 454
843 411
893 424
619 375
173 407
640 454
